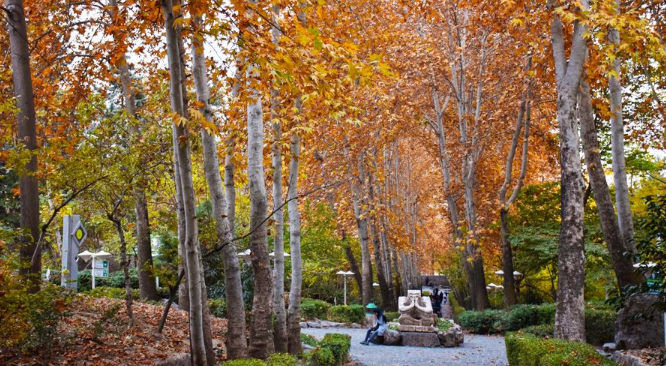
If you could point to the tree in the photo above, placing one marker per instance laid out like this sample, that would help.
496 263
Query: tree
236 337
182 152
30 252
570 314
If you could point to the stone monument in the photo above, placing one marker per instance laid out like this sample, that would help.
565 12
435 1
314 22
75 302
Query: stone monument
416 314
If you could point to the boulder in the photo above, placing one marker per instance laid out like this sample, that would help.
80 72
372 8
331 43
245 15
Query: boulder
417 339
638 326
303 324
452 337
392 338
356 326
447 339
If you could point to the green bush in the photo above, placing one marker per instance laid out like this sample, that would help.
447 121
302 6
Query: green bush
487 321
528 350
115 279
392 315
346 313
444 324
339 344
218 307
320 356
521 316
599 326
456 308
542 330
111 292
311 308
309 340
245 362
282 359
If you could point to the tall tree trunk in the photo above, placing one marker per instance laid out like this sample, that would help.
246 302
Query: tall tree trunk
625 220
261 334
236 334
183 293
622 264
229 186
377 248
570 311
124 262
293 324
30 253
524 114
353 263
184 165
147 286
358 181
280 336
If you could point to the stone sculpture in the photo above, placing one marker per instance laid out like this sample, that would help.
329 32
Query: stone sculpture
416 314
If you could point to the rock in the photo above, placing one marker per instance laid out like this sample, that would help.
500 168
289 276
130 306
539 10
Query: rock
635 331
416 339
355 326
304 324
313 324
609 347
447 339
392 338
417 328
452 337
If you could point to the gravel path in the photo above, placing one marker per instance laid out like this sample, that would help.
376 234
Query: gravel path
476 351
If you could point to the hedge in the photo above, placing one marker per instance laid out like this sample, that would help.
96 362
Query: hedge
392 315
599 321
115 279
311 308
276 359
529 350
339 344
320 356
111 292
346 313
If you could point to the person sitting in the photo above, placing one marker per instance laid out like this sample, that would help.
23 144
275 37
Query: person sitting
380 325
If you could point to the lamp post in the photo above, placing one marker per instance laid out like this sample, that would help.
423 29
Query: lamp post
344 281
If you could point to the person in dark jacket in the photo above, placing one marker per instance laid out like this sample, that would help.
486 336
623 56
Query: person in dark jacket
380 326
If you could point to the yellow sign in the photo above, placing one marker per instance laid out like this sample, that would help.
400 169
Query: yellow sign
79 234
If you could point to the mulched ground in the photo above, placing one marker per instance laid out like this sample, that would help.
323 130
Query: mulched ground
97 332
650 356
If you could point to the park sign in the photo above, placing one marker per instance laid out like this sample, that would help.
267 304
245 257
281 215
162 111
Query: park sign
73 235
80 234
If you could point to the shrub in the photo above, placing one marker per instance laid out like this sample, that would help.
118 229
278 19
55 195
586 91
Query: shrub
311 308
392 315
218 307
346 314
444 324
528 350
111 292
456 308
245 362
115 280
320 356
487 321
521 316
339 344
309 340
542 330
281 359
599 326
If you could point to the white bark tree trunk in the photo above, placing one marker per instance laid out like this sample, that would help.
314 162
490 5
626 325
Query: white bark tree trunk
625 219
261 334
570 311
236 334
293 325
184 166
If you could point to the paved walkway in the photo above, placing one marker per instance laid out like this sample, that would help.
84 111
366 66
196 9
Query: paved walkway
476 351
